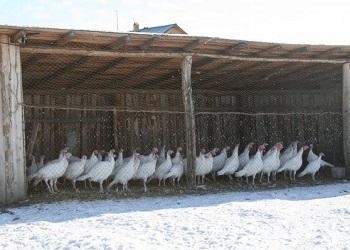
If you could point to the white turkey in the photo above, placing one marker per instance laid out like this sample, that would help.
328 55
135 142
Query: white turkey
178 158
175 173
60 156
253 167
231 164
101 170
287 154
244 157
312 167
293 164
150 156
41 164
271 162
162 169
127 159
90 163
146 170
51 172
74 158
162 156
118 162
100 155
219 161
311 156
74 170
33 167
126 172
204 165
295 148
268 153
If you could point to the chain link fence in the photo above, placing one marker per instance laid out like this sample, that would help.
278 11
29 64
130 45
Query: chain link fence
119 123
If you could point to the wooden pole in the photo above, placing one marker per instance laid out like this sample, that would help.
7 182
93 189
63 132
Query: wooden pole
35 129
190 125
84 52
115 129
346 117
12 145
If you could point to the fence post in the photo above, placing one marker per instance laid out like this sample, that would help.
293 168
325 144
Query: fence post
12 146
346 117
190 125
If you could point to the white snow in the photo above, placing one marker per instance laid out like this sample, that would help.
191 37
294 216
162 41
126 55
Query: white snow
316 217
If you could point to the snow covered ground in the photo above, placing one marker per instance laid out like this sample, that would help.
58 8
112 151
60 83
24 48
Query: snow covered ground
316 217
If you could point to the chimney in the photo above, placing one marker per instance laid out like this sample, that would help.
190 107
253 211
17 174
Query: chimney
136 27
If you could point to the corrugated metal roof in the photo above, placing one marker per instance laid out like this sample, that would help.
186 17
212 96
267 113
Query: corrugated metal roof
157 29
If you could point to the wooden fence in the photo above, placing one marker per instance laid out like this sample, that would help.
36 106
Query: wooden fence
130 119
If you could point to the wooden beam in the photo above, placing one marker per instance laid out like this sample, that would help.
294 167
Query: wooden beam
346 117
99 70
98 53
328 52
267 50
250 68
32 60
193 44
20 37
150 43
141 71
119 43
158 91
210 76
296 71
274 70
190 124
296 51
12 140
176 74
69 120
66 38
48 79
235 48
202 62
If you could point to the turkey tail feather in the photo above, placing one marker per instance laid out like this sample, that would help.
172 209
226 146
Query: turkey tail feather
220 172
239 173
32 176
83 177
302 174
324 163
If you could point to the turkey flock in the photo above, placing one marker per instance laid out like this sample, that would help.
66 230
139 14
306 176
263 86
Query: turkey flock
113 169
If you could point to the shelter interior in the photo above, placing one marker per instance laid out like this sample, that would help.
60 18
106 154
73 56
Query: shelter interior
104 89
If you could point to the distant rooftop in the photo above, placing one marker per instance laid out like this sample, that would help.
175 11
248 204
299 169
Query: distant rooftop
164 29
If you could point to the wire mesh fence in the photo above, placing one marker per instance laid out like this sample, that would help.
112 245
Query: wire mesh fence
120 120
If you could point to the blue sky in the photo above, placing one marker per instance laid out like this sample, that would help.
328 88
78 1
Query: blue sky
298 21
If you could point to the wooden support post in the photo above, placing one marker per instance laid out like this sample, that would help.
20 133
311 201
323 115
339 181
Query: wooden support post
346 117
190 125
115 129
34 131
12 145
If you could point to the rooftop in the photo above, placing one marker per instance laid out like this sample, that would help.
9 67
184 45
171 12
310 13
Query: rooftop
61 58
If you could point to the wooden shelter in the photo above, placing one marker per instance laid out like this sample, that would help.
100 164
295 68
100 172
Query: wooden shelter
107 89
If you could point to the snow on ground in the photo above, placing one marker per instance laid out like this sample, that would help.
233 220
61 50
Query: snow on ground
316 217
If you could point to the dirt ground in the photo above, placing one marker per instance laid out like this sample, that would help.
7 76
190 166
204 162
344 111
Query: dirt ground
41 194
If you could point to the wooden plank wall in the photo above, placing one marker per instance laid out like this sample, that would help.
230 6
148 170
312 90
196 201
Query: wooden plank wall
309 117
319 121
96 129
